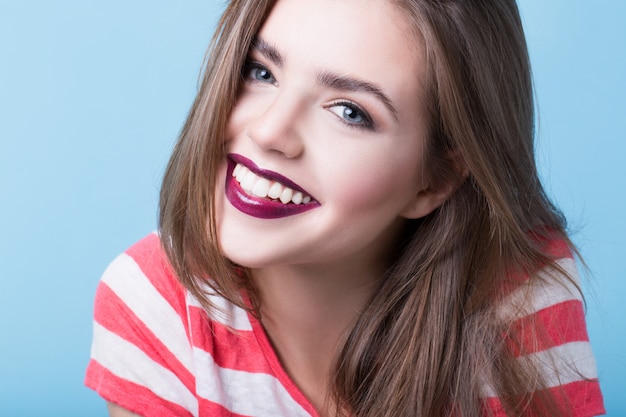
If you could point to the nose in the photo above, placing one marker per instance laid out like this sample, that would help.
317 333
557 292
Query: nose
276 128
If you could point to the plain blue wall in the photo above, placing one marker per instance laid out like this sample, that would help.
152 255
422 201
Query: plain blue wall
92 96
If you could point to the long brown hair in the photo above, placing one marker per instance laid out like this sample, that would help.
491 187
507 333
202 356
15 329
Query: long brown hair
430 337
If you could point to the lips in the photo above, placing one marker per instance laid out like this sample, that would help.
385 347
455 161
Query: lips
264 194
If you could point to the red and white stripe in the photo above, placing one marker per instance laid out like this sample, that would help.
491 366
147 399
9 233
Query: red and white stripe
158 353
548 323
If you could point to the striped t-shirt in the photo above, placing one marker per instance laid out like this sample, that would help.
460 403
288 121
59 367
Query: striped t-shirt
157 352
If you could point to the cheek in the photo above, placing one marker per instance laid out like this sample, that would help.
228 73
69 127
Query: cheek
240 116
248 108
381 184
235 123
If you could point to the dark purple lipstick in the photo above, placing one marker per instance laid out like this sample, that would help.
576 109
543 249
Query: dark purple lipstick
263 208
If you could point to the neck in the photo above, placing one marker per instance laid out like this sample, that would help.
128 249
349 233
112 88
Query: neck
307 313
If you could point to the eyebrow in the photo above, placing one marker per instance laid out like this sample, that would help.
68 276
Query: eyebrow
269 51
327 78
345 83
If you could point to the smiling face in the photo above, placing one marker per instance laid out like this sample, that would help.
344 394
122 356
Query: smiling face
325 142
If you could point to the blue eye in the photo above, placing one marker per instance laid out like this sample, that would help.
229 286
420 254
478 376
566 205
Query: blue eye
352 114
257 72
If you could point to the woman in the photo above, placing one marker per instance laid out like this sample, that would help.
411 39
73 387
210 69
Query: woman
355 226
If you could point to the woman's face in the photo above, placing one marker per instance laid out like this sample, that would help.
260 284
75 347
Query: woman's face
325 143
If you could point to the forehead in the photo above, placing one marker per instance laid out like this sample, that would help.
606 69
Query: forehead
368 40
372 34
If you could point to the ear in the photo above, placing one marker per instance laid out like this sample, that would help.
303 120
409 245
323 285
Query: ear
430 198
425 202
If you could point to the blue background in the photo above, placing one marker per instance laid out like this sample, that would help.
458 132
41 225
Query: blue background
92 96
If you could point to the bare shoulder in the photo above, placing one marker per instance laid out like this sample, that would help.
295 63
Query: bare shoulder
117 411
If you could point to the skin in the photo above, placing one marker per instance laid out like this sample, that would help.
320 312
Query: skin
366 179
358 151
356 147
117 411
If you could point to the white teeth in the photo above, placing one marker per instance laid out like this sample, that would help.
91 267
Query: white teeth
275 191
261 187
286 195
248 181
264 188
240 172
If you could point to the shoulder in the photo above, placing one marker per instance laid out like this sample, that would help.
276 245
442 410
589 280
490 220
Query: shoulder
141 280
141 352
157 351
545 317
139 297
545 310
550 283
146 257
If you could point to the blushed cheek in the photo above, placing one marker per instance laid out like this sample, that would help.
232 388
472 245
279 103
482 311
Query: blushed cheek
375 190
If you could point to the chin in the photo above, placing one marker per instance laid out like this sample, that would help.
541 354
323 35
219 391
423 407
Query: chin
246 257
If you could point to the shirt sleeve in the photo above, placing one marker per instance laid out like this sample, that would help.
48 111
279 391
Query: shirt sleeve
549 329
141 356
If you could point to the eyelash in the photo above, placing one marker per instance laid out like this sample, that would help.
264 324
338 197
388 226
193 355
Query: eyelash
253 66
366 123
